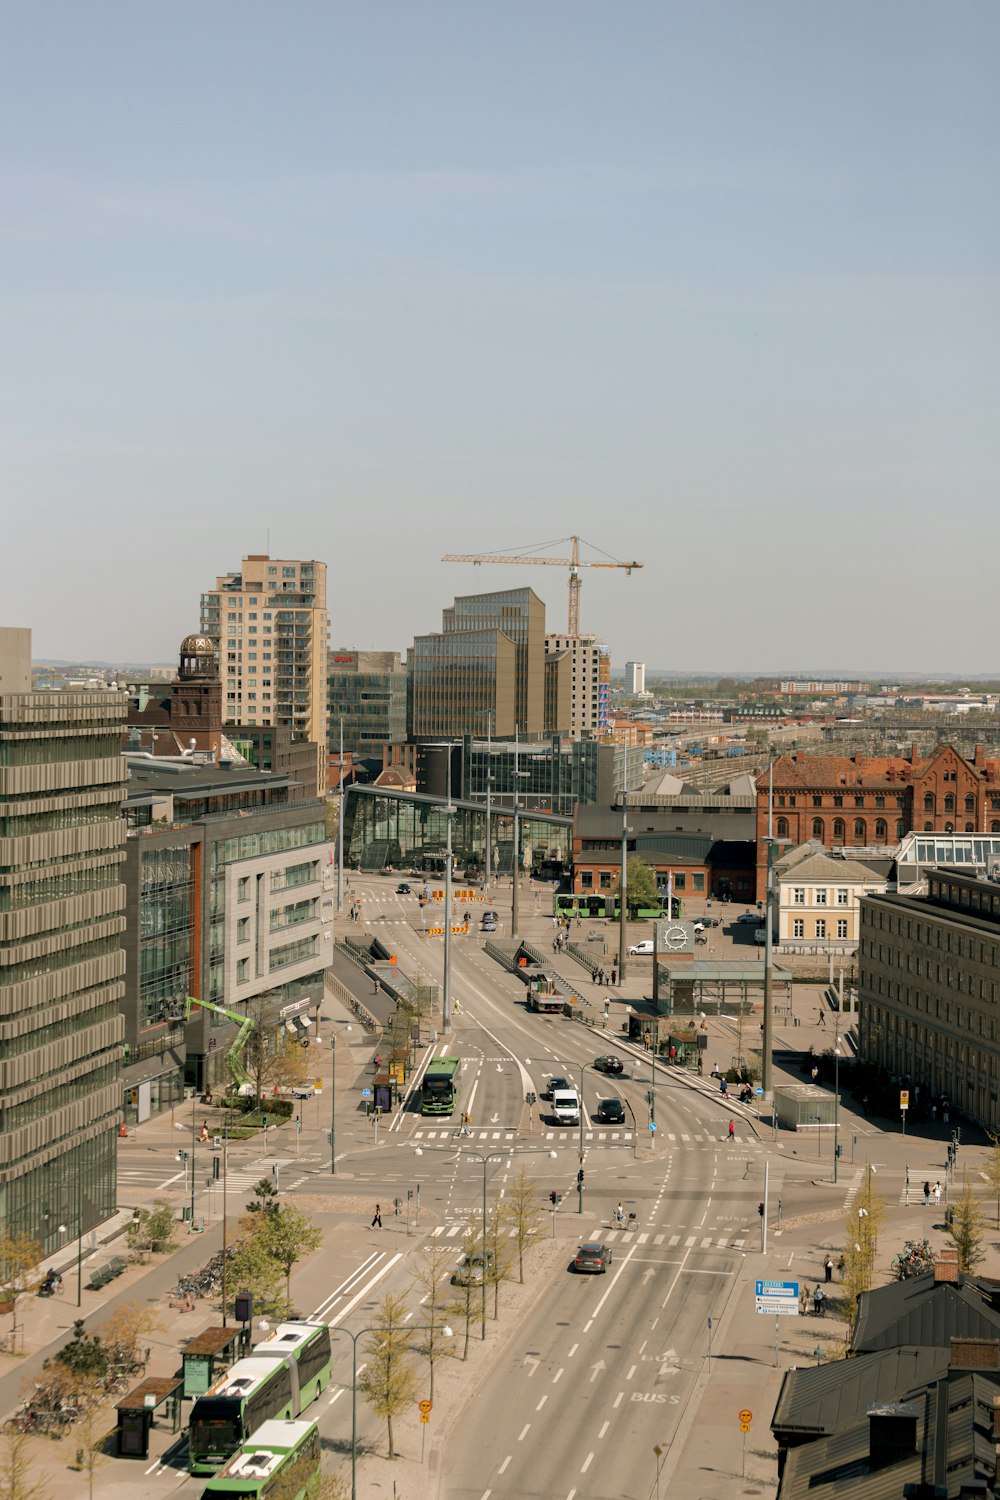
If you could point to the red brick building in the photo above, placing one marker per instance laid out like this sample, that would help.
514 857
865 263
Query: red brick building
873 801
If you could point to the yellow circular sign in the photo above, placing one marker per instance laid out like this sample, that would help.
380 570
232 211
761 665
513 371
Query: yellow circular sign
425 1406
746 1416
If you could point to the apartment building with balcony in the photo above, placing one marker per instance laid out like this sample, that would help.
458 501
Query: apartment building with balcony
589 670
269 624
62 962
226 874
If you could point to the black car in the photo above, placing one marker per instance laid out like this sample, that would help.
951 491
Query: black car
554 1084
611 1112
609 1064
710 921
403 889
593 1257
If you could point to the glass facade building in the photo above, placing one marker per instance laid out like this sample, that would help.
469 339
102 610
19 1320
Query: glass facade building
367 691
61 960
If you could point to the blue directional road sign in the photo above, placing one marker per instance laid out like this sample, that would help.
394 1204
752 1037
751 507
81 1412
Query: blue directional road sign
366 1093
759 1092
779 1298
652 1124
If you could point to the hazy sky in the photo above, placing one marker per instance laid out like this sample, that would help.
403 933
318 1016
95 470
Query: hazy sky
713 285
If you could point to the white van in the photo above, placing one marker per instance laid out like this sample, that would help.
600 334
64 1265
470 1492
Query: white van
566 1107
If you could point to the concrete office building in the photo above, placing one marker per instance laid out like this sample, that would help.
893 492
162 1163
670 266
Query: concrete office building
367 691
225 871
590 683
61 957
270 626
929 985
488 663
635 677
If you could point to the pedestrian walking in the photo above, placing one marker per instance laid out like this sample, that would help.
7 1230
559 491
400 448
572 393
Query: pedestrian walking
466 1122
828 1269
203 1133
937 1194
822 1018
732 1130
601 980
377 1219
818 1300
614 977
927 1193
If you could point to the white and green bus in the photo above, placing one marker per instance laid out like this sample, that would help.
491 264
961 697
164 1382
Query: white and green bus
280 1379
281 1458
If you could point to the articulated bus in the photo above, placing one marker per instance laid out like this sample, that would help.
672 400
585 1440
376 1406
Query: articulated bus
441 1086
281 1377
608 908
281 1458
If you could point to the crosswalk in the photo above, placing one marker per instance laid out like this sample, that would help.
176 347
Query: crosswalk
620 1137
669 1242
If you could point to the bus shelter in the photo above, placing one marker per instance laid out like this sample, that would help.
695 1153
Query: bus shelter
694 986
137 1413
210 1354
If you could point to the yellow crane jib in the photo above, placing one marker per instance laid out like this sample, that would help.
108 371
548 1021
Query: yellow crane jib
573 563
237 1071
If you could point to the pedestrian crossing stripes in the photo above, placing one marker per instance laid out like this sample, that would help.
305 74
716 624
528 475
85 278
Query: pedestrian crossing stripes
449 1231
707 1242
590 1135
456 1134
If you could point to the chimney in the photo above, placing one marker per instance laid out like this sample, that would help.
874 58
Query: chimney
979 755
946 1267
892 1433
914 754
996 1419
974 1354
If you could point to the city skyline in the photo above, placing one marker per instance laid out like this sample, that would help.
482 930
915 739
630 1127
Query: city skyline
712 288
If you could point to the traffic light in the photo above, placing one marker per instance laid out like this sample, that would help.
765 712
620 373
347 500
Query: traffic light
760 1209
579 1178
265 1122
553 1197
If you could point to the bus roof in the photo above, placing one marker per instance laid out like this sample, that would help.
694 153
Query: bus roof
264 1450
287 1338
443 1065
242 1377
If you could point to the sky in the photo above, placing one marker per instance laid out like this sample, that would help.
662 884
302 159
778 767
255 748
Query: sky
713 286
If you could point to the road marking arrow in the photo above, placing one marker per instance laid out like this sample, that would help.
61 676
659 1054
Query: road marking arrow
648 1274
533 1362
494 1119
596 1370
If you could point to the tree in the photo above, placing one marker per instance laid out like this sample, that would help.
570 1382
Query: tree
19 1258
88 1399
121 1333
466 1298
265 1197
524 1216
498 1262
272 1059
966 1229
16 1481
84 1355
640 884
252 1270
863 1221
150 1229
991 1171
430 1274
286 1236
389 1379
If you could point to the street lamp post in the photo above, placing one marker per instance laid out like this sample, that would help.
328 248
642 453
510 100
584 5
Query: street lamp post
515 859
767 1029
622 937
333 1105
336 1328
836 1107
446 970
340 825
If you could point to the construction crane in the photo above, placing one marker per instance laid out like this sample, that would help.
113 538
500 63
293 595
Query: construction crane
572 562
234 1056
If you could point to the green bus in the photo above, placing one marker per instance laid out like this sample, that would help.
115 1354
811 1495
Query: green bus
281 1377
282 1458
441 1086
593 908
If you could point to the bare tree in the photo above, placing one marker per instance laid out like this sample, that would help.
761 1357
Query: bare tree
524 1216
272 1059
389 1379
966 1229
498 1262
465 1301
19 1259
431 1279
991 1171
120 1335
16 1480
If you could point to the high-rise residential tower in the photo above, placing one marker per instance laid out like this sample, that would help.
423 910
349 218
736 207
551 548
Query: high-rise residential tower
270 625
62 780
635 677
590 683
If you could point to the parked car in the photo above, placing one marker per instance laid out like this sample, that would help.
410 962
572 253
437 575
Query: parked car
710 921
611 1112
472 1268
593 1256
641 950
609 1064
749 918
555 1082
402 889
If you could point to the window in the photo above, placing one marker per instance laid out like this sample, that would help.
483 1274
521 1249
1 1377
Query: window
900 828
881 831
838 800
817 801
243 888
821 927
242 966
859 828
817 828
879 801
928 802
243 930
839 829
699 881
970 802
949 803
586 880
782 828
605 880
799 895
859 802
798 928
819 895
841 927
680 881
843 896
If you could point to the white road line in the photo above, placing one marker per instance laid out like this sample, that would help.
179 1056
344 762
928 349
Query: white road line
609 1289
631 1372
618 1401
575 1346
348 1307
586 1463
505 1463
486 1495
542 1402
604 1429
524 1432
558 1374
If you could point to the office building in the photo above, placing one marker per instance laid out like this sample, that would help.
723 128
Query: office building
590 683
366 692
487 665
269 624
61 957
635 678
225 871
